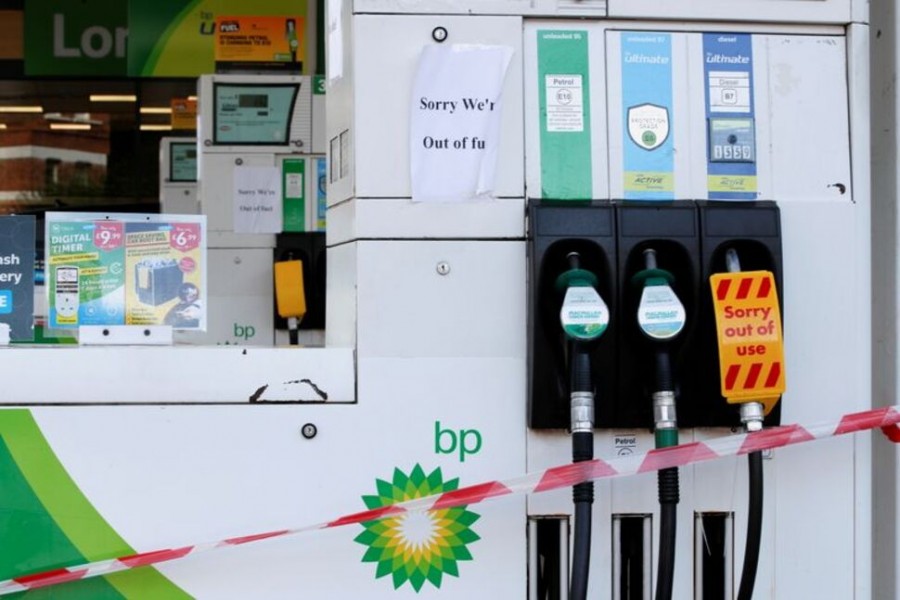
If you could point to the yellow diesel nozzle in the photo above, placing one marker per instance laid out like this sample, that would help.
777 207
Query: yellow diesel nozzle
290 296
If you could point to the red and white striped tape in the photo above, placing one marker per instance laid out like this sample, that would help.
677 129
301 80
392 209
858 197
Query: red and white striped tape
564 476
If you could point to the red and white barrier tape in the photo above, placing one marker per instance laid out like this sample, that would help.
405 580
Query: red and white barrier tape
564 476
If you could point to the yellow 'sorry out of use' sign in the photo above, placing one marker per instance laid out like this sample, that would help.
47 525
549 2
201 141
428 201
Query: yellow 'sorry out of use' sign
751 348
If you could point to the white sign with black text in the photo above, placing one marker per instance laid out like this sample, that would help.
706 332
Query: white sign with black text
455 121
257 200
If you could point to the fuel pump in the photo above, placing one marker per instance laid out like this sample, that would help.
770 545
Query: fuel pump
751 361
557 230
661 318
178 175
258 167
583 317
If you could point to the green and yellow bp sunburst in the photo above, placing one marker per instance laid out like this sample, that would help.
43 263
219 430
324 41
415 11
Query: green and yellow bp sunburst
417 547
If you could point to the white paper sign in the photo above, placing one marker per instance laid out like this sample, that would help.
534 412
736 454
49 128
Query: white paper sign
257 200
455 121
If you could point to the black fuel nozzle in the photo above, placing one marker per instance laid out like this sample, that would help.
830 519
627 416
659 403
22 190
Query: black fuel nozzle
752 413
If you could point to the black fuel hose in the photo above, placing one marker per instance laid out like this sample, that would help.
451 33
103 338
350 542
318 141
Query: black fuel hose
755 502
581 331
581 547
667 526
668 490
582 493
754 526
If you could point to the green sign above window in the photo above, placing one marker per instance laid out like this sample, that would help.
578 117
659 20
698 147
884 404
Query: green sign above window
136 38
76 38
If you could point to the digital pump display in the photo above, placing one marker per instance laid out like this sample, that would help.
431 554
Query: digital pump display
253 114
182 162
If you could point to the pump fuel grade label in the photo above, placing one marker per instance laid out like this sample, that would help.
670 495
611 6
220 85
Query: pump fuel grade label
648 146
731 131
565 108
751 349
565 103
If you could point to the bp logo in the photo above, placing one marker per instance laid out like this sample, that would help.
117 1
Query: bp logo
422 546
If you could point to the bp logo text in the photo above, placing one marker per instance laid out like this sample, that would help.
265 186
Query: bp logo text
463 442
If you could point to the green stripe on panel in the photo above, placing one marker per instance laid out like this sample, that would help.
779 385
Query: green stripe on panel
564 90
52 524
34 542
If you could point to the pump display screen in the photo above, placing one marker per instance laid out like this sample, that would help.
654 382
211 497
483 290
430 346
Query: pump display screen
253 114
183 161
253 101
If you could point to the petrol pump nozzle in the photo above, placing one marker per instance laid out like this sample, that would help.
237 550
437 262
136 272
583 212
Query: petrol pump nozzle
583 317
752 413
290 296
661 317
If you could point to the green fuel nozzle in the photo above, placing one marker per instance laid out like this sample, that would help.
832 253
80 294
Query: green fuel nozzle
661 317
661 314
584 315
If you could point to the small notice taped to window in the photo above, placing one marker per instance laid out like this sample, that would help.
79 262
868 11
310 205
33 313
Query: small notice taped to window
257 200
